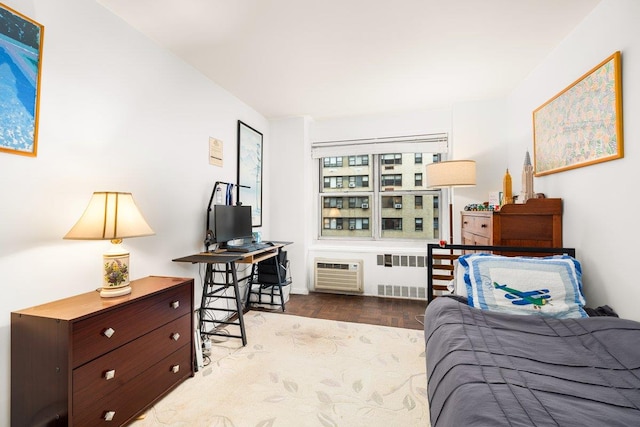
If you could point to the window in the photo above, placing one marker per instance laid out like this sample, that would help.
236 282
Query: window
392 180
332 162
391 159
350 204
358 160
376 189
392 223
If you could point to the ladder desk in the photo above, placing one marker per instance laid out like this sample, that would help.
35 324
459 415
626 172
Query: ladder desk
213 290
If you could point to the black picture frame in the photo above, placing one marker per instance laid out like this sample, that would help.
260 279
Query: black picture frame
250 150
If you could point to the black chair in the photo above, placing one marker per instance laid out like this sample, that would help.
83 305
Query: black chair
268 278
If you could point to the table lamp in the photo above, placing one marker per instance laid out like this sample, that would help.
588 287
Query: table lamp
453 173
112 216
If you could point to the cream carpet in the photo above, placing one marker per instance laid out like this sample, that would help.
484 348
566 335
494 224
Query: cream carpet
297 371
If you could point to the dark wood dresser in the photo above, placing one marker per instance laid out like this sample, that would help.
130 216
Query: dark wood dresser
88 361
537 223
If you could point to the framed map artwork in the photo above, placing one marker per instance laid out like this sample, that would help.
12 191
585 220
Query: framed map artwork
20 64
250 171
582 125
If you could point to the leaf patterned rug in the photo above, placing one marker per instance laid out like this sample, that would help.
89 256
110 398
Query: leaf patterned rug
297 371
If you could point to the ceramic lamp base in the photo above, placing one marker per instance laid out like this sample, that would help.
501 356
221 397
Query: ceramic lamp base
115 292
115 262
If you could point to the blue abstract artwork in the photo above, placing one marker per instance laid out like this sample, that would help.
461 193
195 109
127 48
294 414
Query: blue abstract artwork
20 59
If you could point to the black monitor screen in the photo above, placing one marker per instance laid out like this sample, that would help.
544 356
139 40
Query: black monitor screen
231 222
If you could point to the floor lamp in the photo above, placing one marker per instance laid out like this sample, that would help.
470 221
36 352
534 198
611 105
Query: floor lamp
453 173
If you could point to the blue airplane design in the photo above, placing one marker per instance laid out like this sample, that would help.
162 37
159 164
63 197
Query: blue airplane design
538 297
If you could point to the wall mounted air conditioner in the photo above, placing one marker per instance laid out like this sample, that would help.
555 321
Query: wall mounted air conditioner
338 227
352 185
365 206
398 206
338 275
338 185
352 227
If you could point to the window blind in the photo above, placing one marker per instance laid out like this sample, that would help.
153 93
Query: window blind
430 143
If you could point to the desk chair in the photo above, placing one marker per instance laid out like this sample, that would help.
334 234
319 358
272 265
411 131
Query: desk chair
267 280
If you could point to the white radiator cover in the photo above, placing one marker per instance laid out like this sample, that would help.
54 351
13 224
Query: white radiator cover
338 275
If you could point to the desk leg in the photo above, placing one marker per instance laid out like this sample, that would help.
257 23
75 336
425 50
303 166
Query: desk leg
208 281
254 266
236 290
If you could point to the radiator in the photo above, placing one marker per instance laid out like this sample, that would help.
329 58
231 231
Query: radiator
338 275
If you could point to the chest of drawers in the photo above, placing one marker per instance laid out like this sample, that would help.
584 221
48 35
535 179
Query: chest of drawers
537 223
88 361
477 228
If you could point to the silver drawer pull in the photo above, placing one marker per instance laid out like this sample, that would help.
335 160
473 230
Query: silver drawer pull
109 332
175 336
108 416
110 374
175 369
175 304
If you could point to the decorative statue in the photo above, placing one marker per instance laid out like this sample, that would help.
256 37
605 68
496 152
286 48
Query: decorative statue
507 189
527 180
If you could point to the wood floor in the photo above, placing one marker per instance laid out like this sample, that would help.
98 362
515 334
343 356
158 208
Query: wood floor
401 313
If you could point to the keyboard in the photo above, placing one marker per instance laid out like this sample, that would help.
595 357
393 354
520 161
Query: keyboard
252 247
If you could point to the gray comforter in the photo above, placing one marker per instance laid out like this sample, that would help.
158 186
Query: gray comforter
491 369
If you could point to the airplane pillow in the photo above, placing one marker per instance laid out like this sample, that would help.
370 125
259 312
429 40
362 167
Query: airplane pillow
549 286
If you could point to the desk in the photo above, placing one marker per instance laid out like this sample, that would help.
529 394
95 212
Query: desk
213 290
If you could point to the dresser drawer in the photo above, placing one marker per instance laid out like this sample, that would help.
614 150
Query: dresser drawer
474 239
128 322
477 224
138 393
103 375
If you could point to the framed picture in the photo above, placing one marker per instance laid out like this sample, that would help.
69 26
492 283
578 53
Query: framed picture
20 64
581 125
250 170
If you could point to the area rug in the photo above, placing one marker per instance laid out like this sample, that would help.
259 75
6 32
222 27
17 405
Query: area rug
297 371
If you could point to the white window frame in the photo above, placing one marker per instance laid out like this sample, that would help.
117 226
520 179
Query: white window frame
428 143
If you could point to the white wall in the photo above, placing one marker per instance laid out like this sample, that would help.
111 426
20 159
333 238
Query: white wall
599 200
116 113
290 195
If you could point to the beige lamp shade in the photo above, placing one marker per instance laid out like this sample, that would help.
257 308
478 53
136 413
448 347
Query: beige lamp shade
454 173
109 216
112 216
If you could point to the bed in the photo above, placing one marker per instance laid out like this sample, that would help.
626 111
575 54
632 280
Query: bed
533 363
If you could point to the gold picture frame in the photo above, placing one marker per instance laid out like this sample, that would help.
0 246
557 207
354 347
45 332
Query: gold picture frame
582 125
21 51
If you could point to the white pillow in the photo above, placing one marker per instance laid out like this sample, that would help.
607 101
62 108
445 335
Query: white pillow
457 286
550 286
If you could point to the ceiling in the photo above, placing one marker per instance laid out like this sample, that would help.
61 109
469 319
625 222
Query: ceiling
329 58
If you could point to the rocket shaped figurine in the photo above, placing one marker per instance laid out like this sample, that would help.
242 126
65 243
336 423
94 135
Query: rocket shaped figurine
527 180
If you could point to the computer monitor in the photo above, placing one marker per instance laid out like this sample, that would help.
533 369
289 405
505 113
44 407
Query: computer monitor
231 223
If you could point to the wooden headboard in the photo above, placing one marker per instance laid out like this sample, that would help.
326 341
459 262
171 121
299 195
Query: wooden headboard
440 260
